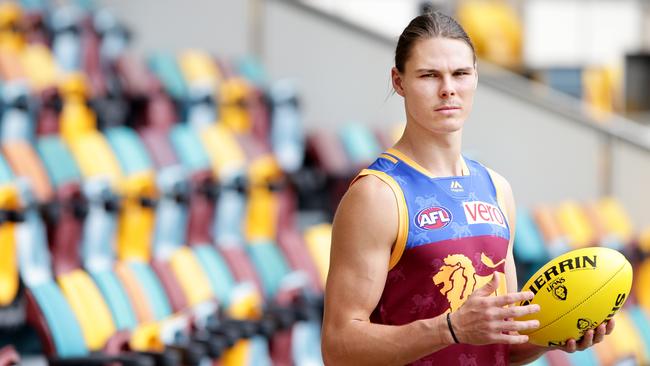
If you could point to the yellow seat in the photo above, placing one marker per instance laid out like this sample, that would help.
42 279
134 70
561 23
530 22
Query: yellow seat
549 228
10 35
136 221
89 306
245 305
199 66
24 161
261 220
642 284
39 66
627 340
495 30
8 257
226 156
601 87
94 157
574 223
233 112
319 243
615 219
190 275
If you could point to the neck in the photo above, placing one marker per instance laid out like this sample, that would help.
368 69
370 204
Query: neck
437 153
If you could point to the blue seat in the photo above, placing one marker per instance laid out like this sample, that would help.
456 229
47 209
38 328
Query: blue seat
359 143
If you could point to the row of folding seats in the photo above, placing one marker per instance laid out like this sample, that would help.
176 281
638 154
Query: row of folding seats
120 208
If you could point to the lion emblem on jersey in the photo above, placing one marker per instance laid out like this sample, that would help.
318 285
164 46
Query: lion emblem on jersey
457 278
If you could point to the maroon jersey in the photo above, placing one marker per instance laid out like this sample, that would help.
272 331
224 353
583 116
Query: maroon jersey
452 238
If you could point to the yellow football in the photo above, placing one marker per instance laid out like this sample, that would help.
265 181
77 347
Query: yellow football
576 292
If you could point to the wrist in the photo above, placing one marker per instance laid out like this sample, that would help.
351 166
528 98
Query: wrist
450 327
438 327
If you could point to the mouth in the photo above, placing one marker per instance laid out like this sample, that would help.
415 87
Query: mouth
447 108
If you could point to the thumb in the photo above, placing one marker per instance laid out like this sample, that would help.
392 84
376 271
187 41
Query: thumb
489 287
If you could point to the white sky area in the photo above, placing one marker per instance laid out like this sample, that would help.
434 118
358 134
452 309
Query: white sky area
388 17
556 33
573 33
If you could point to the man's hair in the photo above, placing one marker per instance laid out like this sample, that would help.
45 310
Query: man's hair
425 26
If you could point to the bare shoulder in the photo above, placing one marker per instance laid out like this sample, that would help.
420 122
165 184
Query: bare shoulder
368 209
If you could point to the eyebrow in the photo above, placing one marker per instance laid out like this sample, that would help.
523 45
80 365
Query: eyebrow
462 69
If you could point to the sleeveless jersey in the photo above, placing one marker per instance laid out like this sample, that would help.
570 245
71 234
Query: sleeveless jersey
452 237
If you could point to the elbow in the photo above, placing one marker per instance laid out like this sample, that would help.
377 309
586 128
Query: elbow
327 349
330 348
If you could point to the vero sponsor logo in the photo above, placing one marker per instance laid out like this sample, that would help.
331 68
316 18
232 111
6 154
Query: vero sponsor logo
478 212
433 218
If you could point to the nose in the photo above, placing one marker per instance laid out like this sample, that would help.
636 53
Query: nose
447 89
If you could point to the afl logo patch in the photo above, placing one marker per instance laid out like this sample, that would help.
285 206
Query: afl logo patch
433 218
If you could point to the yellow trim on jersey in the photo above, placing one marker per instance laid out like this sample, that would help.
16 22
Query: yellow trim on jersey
388 157
500 199
420 168
402 214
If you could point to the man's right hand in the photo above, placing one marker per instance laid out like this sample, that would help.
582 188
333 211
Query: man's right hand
486 319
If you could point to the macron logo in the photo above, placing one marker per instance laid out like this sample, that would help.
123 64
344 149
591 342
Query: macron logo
478 212
455 186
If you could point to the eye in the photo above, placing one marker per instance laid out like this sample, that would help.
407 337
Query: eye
461 73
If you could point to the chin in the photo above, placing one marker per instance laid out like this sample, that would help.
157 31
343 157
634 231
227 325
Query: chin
448 125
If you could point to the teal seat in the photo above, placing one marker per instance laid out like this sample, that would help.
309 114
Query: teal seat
35 269
359 143
270 265
58 160
642 323
152 288
62 323
117 299
259 352
129 149
6 175
586 357
188 148
542 361
306 342
165 67
529 245
231 208
250 68
216 268
170 228
287 135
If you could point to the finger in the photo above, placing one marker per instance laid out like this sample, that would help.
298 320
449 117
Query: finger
511 298
489 287
610 326
517 311
599 334
586 341
570 346
518 326
510 338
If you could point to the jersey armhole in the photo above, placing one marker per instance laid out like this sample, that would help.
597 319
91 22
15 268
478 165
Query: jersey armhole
402 213
501 200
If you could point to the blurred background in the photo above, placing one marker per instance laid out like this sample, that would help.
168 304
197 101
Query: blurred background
169 170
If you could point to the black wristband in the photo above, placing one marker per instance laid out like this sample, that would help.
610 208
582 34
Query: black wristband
451 329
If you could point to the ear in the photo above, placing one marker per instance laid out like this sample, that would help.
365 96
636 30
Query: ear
396 78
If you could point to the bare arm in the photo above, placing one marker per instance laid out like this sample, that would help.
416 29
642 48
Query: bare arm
365 228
